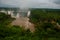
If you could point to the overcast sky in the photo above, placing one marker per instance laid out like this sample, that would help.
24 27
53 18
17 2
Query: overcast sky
31 3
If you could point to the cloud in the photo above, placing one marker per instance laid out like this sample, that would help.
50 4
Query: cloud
57 2
32 3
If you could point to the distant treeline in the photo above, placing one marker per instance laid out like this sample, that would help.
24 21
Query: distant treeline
2 8
46 9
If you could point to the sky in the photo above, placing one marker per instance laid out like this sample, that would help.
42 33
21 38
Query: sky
31 3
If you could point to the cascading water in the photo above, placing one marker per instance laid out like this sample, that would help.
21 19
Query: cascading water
18 15
23 20
28 14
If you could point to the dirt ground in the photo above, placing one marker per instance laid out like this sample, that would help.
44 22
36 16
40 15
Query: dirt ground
24 22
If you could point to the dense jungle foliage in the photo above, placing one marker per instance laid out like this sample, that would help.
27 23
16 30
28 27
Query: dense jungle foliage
45 26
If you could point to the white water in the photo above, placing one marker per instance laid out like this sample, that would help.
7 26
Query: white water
28 14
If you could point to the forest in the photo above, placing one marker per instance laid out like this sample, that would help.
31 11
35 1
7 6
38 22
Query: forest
47 26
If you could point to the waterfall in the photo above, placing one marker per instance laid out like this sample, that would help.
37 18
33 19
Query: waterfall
9 12
12 14
28 14
18 15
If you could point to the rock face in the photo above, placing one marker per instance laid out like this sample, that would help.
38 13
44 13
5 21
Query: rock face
24 22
